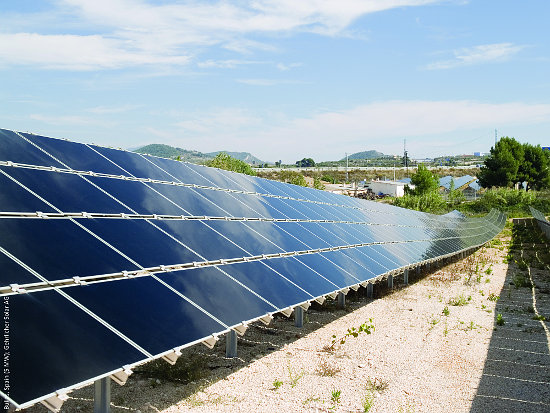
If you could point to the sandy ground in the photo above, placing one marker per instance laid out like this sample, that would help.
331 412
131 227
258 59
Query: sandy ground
434 346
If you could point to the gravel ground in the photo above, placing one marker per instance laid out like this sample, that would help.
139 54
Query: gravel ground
432 349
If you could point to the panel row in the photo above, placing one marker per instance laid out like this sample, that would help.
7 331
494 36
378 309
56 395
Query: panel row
61 249
38 150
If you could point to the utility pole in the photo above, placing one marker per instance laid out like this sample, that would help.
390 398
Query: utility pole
405 157
347 167
496 138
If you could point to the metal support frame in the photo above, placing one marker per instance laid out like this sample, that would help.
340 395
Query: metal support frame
418 269
102 395
298 317
406 276
390 281
341 300
370 290
231 344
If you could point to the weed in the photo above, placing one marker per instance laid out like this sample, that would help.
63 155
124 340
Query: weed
311 399
500 320
522 265
377 384
520 281
445 330
327 369
489 270
530 309
186 369
539 317
408 409
352 332
493 297
277 384
367 401
294 378
446 311
459 300
335 396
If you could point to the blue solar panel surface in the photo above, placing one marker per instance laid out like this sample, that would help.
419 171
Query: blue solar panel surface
111 258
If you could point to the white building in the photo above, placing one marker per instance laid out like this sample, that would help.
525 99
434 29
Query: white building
391 188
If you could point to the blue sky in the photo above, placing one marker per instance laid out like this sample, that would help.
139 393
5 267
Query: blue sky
283 79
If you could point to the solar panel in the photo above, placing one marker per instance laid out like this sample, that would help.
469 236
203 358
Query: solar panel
543 223
111 258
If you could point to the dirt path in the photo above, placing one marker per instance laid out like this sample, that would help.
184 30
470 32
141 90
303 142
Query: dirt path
432 349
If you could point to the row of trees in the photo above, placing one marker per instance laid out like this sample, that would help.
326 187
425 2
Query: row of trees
511 163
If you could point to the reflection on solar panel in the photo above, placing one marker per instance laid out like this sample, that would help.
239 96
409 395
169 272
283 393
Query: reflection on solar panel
544 224
111 258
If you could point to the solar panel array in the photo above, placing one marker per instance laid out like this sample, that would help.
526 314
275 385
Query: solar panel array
110 258
543 223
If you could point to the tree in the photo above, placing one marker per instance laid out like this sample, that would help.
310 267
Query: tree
535 168
292 177
424 181
305 163
455 196
224 161
502 165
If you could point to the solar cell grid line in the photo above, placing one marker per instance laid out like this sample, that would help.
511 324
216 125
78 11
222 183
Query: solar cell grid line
146 180
164 231
244 272
283 229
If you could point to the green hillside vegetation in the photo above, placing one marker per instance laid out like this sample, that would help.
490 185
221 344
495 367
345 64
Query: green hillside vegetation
171 152
366 155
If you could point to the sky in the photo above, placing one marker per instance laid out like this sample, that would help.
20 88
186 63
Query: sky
282 79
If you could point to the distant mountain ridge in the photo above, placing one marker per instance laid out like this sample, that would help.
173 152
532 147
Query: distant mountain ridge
243 156
172 152
366 155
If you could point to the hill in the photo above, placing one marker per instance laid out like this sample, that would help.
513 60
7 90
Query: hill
243 156
366 155
171 152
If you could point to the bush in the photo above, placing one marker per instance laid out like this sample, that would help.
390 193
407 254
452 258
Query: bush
431 202
224 161
292 177
514 202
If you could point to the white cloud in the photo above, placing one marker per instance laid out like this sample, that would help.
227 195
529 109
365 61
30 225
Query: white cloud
62 120
268 82
380 125
226 64
76 52
477 55
123 33
106 110
284 67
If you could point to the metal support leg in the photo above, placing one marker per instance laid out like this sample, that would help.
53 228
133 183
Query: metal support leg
298 317
390 281
406 276
418 269
370 290
341 300
231 344
102 395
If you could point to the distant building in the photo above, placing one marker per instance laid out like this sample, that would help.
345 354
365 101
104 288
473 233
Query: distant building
546 148
391 188
477 153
